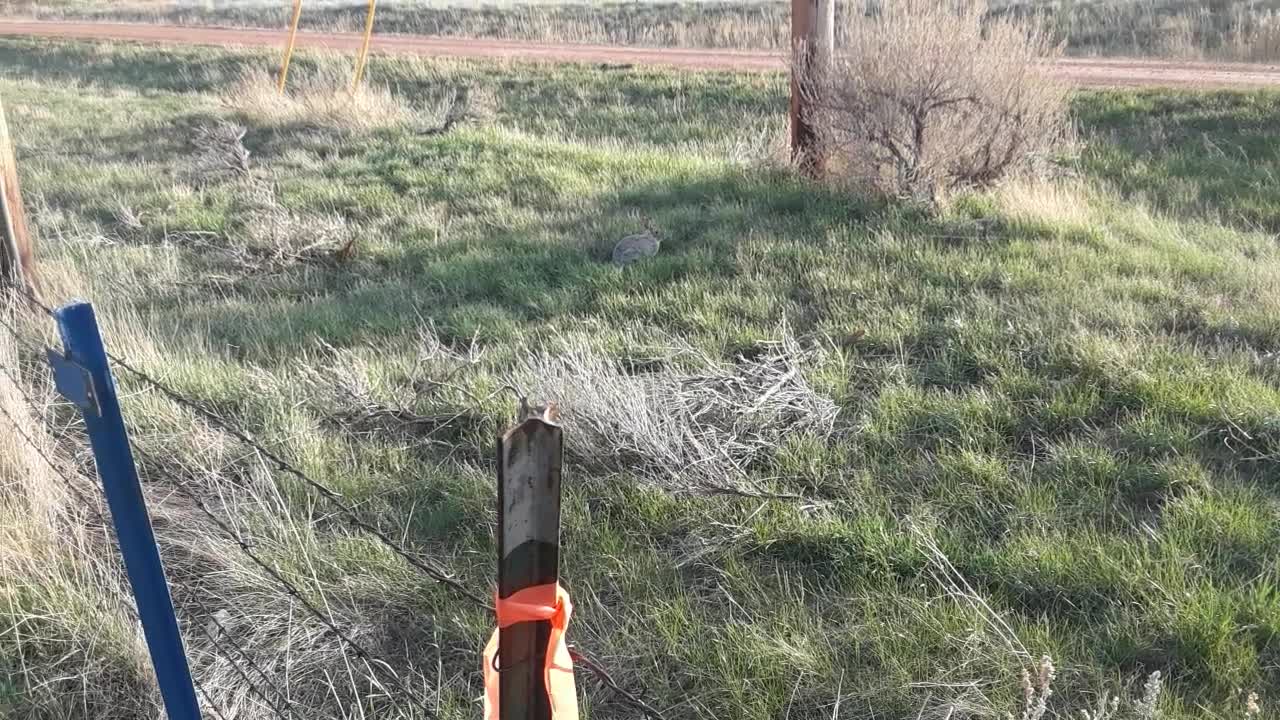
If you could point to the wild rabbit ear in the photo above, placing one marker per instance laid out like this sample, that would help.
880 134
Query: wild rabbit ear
649 224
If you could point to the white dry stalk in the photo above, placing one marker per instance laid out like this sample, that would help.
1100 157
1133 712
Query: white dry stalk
1147 708
1106 708
1252 705
683 429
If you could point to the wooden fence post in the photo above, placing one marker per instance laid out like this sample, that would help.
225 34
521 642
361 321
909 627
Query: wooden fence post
363 58
288 48
529 458
17 257
812 48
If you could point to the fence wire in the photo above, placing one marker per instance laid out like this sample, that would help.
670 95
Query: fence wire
281 711
92 507
349 514
95 511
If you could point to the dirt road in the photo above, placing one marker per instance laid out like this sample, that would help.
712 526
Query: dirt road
1084 72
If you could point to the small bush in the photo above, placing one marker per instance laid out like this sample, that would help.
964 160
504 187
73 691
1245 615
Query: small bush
926 96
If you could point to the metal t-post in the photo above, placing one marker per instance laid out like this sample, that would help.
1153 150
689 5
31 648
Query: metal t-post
84 377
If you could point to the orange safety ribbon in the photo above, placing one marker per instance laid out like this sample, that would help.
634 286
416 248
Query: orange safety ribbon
530 605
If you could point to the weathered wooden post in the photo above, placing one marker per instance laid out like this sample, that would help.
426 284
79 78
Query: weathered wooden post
534 675
813 25
17 256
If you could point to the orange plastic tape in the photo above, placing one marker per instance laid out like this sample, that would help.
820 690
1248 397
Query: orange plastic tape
531 605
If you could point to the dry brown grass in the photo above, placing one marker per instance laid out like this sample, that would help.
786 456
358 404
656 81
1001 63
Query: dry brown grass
928 97
62 597
1243 30
321 99
694 424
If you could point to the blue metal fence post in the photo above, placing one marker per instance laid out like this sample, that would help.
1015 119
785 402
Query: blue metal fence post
85 378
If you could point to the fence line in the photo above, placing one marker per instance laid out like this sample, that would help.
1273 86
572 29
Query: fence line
245 676
91 507
248 659
291 590
208 701
96 512
281 464
579 656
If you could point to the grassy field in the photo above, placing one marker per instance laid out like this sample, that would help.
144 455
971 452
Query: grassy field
1055 406
1244 30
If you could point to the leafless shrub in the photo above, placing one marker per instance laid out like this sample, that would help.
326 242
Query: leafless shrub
686 429
926 97
126 218
343 394
428 404
220 152
692 423
274 238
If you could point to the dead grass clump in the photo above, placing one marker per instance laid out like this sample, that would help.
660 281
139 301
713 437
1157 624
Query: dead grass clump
690 430
319 99
272 238
688 422
220 152
926 97
276 238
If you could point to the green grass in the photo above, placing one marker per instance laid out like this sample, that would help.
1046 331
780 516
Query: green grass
1080 408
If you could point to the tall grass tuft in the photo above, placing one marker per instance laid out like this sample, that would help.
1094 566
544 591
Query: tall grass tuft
320 99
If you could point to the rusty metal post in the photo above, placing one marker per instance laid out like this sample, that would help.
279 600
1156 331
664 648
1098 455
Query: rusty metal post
529 458
812 48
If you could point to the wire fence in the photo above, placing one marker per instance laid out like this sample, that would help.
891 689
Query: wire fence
93 508
258 681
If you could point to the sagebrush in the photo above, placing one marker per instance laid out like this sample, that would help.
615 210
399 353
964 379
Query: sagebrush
927 97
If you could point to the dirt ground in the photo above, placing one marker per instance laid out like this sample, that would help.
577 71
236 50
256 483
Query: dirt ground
1084 72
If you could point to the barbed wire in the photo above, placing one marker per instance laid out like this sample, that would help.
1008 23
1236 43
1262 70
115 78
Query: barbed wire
290 589
281 464
95 510
348 512
283 714
230 639
92 507
207 700
235 536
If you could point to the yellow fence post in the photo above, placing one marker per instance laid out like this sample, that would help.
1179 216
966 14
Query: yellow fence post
364 47
288 48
